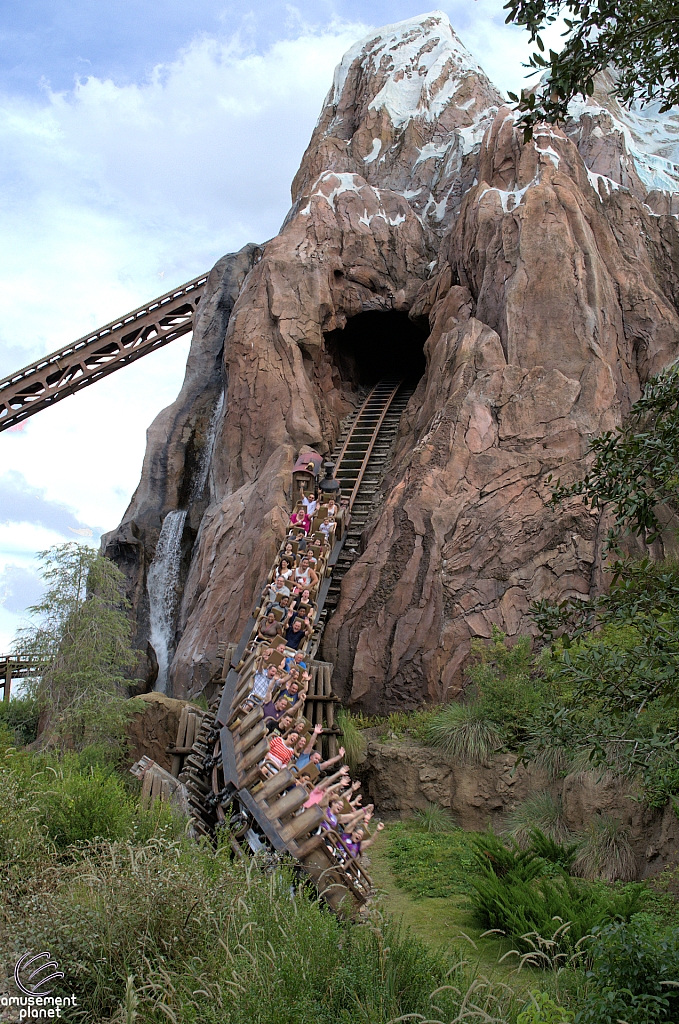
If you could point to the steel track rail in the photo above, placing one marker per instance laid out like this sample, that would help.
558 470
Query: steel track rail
95 355
386 402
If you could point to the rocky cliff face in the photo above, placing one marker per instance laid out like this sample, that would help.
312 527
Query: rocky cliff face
401 777
547 277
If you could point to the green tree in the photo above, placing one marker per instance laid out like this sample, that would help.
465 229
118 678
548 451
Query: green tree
82 633
637 36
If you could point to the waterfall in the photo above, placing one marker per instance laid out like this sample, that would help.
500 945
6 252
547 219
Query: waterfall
163 577
203 468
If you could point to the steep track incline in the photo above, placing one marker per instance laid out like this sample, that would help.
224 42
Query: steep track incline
95 355
221 774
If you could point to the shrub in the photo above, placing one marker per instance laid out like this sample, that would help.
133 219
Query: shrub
501 676
662 781
633 974
541 811
543 1010
434 819
464 731
49 800
605 851
77 807
21 715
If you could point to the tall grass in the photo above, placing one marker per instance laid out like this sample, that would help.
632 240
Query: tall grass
434 819
540 811
206 939
464 731
605 851
353 740
49 802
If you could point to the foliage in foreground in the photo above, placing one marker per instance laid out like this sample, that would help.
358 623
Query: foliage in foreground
49 802
633 974
150 926
637 36
208 939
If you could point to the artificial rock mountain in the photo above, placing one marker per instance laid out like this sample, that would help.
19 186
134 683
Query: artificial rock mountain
546 276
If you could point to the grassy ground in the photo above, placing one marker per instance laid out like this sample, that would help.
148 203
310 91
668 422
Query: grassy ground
440 921
447 921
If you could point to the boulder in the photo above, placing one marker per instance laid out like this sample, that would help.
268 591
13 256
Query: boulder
153 728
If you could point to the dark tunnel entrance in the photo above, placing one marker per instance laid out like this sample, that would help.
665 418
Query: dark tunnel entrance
376 345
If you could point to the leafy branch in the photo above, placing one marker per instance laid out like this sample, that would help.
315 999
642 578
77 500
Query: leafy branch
636 36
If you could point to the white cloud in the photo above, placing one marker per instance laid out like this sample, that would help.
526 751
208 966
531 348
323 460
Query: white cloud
108 187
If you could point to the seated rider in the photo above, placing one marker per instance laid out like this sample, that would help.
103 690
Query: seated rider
327 527
262 684
280 752
268 627
310 505
295 635
276 709
280 727
300 519
355 841
285 569
305 575
295 660
300 595
279 586
282 605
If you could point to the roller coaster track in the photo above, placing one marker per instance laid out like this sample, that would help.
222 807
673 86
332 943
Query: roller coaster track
16 666
99 353
221 773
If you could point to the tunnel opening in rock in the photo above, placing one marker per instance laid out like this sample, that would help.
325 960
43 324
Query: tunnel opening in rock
377 345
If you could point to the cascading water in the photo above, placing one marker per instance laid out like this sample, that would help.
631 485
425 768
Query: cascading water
163 574
163 577
203 468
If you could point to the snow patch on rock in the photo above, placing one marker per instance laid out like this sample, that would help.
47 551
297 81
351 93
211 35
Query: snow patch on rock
651 138
510 200
425 62
374 152
607 183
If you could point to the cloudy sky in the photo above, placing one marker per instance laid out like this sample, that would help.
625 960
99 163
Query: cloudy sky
141 140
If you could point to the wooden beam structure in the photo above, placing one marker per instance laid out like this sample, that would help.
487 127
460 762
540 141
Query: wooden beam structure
14 666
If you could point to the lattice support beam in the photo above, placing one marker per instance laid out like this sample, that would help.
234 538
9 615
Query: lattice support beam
95 355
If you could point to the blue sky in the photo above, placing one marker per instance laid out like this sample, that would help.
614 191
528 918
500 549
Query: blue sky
140 141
